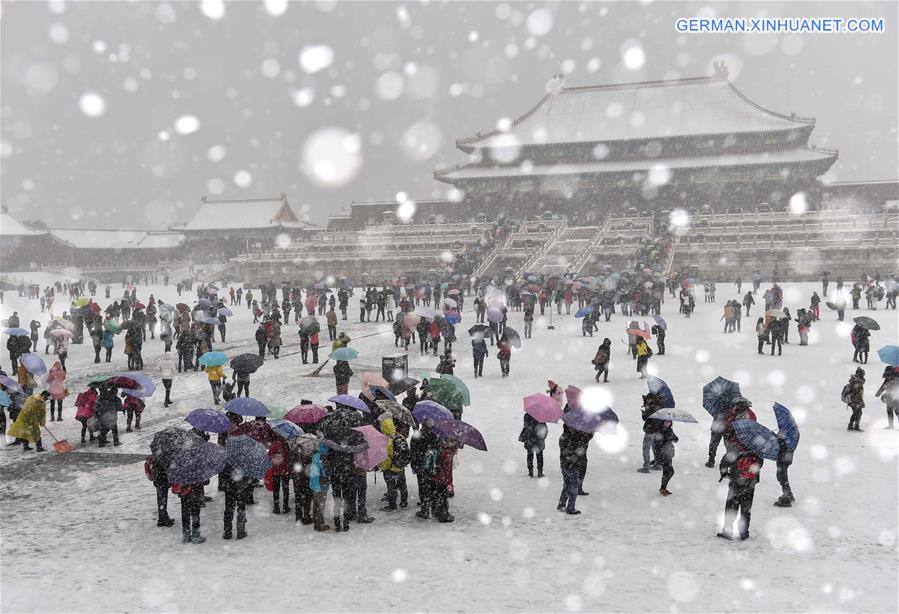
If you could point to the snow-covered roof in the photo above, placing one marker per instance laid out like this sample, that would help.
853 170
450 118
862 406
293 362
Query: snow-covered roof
112 238
10 227
791 156
241 214
645 110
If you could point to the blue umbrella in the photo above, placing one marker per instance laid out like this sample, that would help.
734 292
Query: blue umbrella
203 302
758 438
787 426
5 401
16 332
246 406
197 464
718 395
675 415
286 429
660 321
224 311
33 364
431 410
147 387
383 391
247 456
658 387
213 359
583 311
590 422
351 401
209 420
344 354
889 354
453 318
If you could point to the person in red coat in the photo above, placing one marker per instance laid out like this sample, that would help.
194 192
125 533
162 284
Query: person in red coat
443 483
279 452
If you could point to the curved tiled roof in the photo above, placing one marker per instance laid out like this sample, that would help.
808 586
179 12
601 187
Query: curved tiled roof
634 111
790 156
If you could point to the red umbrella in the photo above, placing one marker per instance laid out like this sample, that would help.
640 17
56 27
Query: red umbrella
182 307
139 305
258 430
306 414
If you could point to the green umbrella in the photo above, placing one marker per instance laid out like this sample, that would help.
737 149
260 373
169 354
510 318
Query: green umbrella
445 392
276 412
460 385
112 326
99 378
309 325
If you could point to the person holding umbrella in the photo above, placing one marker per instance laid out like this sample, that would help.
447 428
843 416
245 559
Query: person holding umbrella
478 352
860 337
784 460
215 374
533 436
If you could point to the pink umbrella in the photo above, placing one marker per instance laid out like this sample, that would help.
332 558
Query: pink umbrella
639 333
377 448
573 396
542 408
306 414
411 320
370 378
61 332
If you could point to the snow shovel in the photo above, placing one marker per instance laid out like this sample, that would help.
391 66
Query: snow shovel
61 445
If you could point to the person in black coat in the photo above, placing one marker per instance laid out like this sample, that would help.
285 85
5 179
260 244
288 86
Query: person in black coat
261 340
424 454
342 375
340 469
854 397
572 458
651 428
161 483
533 436
860 336
664 446
238 489
784 460
659 332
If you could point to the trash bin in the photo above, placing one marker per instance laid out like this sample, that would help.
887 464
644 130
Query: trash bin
395 367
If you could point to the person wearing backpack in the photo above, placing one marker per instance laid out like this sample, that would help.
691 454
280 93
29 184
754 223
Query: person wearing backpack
394 466
743 475
601 360
853 395
643 353
889 393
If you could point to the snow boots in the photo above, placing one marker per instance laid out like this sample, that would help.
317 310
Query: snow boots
785 501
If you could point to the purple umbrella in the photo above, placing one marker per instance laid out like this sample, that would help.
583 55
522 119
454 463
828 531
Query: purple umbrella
425 410
462 432
197 464
147 387
33 364
494 314
209 420
351 401
10 384
589 422
660 321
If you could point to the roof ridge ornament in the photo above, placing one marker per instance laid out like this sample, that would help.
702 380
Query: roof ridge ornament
720 69
556 84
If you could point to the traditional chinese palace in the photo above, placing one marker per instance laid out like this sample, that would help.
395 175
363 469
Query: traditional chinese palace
654 145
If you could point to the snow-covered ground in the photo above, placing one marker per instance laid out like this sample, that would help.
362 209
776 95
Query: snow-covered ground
79 531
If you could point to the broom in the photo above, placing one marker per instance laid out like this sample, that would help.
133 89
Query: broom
61 445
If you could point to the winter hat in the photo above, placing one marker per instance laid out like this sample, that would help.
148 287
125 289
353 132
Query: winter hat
742 401
860 372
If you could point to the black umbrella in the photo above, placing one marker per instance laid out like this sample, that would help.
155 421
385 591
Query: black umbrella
344 439
169 443
866 322
512 336
478 329
403 385
247 363
129 324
